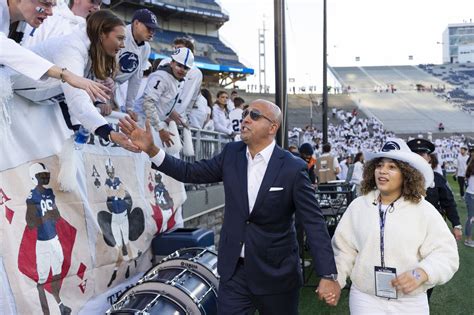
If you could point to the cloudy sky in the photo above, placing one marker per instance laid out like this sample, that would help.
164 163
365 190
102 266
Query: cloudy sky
380 32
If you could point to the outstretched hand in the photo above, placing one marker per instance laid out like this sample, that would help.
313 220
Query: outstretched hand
122 140
141 138
97 91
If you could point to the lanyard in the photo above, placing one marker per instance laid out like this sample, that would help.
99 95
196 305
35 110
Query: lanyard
383 216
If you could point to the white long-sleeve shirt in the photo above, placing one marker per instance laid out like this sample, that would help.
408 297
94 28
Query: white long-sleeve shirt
222 122
160 97
16 57
72 52
416 236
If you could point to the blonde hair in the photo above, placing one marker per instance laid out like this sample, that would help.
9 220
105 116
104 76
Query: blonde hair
98 23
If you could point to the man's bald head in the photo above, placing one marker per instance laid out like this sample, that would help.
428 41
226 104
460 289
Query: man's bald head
271 110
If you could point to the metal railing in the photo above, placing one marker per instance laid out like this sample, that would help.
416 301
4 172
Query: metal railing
206 144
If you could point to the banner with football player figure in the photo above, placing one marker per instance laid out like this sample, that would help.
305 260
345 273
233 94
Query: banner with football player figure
67 251
44 249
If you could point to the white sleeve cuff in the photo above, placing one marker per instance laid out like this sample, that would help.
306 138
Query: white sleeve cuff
158 158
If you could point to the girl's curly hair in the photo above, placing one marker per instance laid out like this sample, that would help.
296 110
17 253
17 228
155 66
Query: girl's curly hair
412 185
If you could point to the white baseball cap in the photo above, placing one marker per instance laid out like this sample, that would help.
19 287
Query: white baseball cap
183 56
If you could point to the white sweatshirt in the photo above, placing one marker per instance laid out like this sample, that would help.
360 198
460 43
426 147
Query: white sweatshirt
416 236
72 52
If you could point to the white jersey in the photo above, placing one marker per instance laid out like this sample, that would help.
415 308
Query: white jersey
199 112
62 22
132 60
235 117
161 96
190 91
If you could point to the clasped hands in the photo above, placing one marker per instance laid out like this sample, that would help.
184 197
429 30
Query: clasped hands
329 291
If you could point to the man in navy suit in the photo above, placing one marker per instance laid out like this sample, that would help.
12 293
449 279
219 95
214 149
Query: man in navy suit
264 186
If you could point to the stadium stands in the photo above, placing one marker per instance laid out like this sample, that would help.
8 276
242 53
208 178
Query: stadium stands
461 77
198 19
408 109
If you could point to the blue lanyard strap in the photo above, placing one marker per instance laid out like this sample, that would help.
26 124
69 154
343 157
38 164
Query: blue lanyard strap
383 216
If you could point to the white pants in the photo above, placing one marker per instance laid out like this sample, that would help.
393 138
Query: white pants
361 303
119 226
49 255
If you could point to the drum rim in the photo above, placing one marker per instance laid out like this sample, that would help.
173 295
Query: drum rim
174 280
170 295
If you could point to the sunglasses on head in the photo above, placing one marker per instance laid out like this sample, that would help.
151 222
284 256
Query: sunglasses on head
255 115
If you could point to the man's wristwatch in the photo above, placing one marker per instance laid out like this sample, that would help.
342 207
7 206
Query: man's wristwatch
458 227
332 277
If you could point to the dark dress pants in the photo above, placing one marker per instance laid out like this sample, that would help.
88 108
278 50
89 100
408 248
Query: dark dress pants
235 298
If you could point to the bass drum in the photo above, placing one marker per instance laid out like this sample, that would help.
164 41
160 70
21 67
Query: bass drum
150 298
201 260
196 293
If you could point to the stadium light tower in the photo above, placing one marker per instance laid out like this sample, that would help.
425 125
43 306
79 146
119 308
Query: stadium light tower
262 73
281 96
325 78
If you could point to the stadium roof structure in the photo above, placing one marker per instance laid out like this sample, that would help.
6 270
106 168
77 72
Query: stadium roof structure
200 9
212 66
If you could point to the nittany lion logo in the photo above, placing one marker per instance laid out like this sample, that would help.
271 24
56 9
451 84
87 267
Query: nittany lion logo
390 146
128 62
153 19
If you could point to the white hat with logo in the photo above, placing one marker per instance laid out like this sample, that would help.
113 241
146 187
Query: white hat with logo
183 56
397 149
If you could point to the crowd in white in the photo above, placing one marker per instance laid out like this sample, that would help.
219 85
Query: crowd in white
351 134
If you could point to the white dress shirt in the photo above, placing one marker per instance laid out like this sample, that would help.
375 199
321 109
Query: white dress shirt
256 169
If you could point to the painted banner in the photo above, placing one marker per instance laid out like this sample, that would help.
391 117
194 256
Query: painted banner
61 252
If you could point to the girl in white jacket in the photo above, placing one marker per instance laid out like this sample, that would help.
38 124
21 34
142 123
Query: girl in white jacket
220 114
89 53
390 242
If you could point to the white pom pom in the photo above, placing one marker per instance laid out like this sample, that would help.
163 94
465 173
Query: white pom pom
177 146
67 177
188 147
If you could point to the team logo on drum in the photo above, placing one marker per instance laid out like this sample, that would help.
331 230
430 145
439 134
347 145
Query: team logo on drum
128 62
188 265
390 146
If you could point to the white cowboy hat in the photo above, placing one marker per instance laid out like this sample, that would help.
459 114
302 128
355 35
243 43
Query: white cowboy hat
397 149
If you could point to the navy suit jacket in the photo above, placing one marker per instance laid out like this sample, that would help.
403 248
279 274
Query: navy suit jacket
271 250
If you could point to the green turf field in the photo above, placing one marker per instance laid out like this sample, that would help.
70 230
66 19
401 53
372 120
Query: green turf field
455 297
